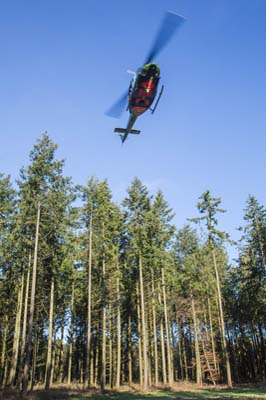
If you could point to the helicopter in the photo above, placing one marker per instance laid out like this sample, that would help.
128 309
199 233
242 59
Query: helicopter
144 84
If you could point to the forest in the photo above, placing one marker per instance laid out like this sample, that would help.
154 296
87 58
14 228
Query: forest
108 294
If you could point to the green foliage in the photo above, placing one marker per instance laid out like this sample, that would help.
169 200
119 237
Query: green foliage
176 267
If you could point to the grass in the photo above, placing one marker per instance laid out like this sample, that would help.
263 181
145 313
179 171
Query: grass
178 393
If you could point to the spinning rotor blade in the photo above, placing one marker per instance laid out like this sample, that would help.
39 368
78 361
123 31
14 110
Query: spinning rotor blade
167 29
118 107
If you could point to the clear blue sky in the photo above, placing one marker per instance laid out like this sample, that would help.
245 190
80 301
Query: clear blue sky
64 62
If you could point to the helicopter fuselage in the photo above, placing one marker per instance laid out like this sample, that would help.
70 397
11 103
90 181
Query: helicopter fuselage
143 89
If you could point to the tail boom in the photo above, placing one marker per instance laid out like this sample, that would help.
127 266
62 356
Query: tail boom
124 132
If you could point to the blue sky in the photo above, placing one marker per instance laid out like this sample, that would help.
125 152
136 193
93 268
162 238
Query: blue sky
63 63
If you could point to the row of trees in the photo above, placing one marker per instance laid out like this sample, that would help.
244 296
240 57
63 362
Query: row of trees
103 294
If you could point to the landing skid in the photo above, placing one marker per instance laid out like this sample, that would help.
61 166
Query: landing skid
157 101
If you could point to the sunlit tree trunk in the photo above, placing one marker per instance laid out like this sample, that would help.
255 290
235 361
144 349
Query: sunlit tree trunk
103 358
196 340
168 345
71 339
3 352
143 327
224 344
129 346
162 342
50 338
212 334
118 329
61 350
156 374
139 340
12 374
110 346
34 359
88 343
24 327
28 346
53 358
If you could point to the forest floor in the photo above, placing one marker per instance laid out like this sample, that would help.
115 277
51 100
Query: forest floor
178 392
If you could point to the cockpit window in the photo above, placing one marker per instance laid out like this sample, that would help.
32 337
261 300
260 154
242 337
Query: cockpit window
143 72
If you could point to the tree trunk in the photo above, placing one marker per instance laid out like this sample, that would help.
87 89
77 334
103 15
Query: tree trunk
139 340
212 334
50 337
88 344
28 347
110 346
33 369
168 345
197 351
103 358
143 326
162 343
118 329
61 351
14 361
24 327
129 351
71 334
53 358
156 375
3 352
224 344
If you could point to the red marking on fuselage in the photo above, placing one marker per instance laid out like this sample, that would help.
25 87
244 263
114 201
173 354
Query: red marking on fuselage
149 85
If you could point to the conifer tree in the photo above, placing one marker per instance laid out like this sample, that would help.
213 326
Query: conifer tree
44 197
137 205
209 207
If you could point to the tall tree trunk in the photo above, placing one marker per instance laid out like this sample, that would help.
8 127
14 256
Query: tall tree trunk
70 353
139 339
224 344
61 350
143 326
110 346
34 360
24 327
212 334
103 358
28 346
168 345
118 330
88 343
162 342
129 351
96 366
50 337
53 358
196 340
156 375
3 352
14 361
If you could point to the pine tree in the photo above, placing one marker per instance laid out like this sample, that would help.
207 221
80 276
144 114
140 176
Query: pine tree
44 197
137 205
209 207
